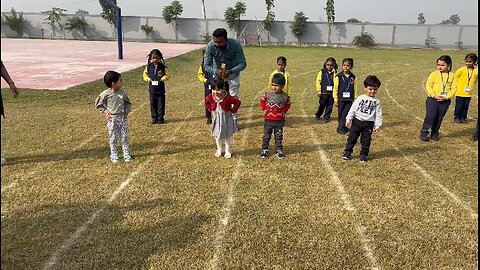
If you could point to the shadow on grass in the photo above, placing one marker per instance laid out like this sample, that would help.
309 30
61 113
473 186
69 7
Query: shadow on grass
289 149
115 240
404 151
461 132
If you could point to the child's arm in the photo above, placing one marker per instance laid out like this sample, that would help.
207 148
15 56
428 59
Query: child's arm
318 83
209 103
351 113
100 105
335 90
429 85
236 104
263 102
287 104
128 104
145 75
378 118
287 79
453 88
165 76
200 75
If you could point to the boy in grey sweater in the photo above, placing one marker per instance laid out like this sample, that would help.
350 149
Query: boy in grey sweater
363 119
116 105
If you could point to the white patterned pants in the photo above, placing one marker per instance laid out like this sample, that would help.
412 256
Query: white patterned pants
118 130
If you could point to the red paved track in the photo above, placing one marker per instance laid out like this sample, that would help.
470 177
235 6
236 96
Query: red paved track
59 64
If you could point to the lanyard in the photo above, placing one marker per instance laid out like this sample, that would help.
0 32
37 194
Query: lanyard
328 79
348 83
444 85
155 73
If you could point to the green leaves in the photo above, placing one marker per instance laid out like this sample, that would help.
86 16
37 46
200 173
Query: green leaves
15 21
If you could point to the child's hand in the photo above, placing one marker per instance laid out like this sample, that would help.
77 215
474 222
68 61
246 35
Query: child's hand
107 116
126 115
319 94
348 124
376 130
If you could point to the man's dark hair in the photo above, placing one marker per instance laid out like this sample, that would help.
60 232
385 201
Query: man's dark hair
372 81
111 77
220 32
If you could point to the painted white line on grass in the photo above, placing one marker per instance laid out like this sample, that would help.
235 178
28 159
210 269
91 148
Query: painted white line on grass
227 208
67 244
347 203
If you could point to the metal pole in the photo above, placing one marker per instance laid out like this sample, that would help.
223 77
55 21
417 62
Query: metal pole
119 30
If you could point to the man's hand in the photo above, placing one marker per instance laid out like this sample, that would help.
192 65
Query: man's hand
348 124
14 89
107 116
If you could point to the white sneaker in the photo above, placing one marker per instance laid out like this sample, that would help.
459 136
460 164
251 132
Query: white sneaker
4 161
228 155
218 153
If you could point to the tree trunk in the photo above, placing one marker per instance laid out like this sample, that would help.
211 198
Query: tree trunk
329 33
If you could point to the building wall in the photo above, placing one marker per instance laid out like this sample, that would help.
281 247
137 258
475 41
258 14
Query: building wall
191 31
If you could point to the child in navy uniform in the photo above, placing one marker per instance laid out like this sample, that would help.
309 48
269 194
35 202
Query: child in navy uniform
324 85
206 78
363 119
344 91
156 74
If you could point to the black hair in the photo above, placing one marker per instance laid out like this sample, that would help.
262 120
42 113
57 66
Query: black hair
157 52
219 83
348 60
111 77
372 81
447 59
335 65
472 57
220 32
282 58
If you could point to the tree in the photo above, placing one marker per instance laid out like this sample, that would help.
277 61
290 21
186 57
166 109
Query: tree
421 19
353 20
454 19
270 18
54 19
298 25
77 23
109 14
147 30
15 22
364 40
330 8
81 12
170 14
232 15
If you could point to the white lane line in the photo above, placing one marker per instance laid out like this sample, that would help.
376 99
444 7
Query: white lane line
347 203
226 212
67 244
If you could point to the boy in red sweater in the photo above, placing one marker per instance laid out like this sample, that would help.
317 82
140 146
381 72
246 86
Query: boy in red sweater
275 104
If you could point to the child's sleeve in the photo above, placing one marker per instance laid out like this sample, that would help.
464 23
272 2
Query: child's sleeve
200 75
128 104
166 75
287 104
236 104
287 78
453 88
208 103
145 75
100 103
318 83
263 102
335 88
378 115
429 85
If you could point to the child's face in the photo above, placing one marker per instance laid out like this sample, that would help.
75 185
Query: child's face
281 66
277 88
371 91
217 92
155 59
117 85
346 67
469 63
442 66
329 66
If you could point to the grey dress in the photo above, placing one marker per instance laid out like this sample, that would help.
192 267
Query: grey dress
223 126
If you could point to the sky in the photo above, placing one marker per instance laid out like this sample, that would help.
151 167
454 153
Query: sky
375 11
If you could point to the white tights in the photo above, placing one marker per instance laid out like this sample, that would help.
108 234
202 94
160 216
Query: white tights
228 143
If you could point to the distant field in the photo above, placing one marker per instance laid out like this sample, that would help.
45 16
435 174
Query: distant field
412 206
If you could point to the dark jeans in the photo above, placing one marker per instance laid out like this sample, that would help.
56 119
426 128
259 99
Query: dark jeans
208 91
277 128
364 130
435 111
326 104
343 108
461 107
157 106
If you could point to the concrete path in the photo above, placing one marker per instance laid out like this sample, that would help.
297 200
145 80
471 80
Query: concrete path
60 64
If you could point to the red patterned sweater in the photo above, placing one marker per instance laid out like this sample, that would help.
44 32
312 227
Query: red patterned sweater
275 105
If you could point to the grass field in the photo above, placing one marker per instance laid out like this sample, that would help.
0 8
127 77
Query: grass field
412 206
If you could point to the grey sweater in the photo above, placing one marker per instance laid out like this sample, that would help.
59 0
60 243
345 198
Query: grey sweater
116 103
366 108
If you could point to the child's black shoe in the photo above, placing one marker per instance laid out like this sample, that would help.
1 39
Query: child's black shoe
280 154
346 155
264 154
363 158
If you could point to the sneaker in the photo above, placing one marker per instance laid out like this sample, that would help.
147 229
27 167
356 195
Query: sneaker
424 137
317 118
209 121
218 153
161 121
228 155
128 159
326 120
363 158
4 161
457 120
115 161
341 131
474 138
346 155
154 121
435 137
280 154
264 154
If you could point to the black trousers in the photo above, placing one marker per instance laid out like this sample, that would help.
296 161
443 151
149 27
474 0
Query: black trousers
343 108
435 111
364 130
277 128
461 107
326 104
157 106
208 91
